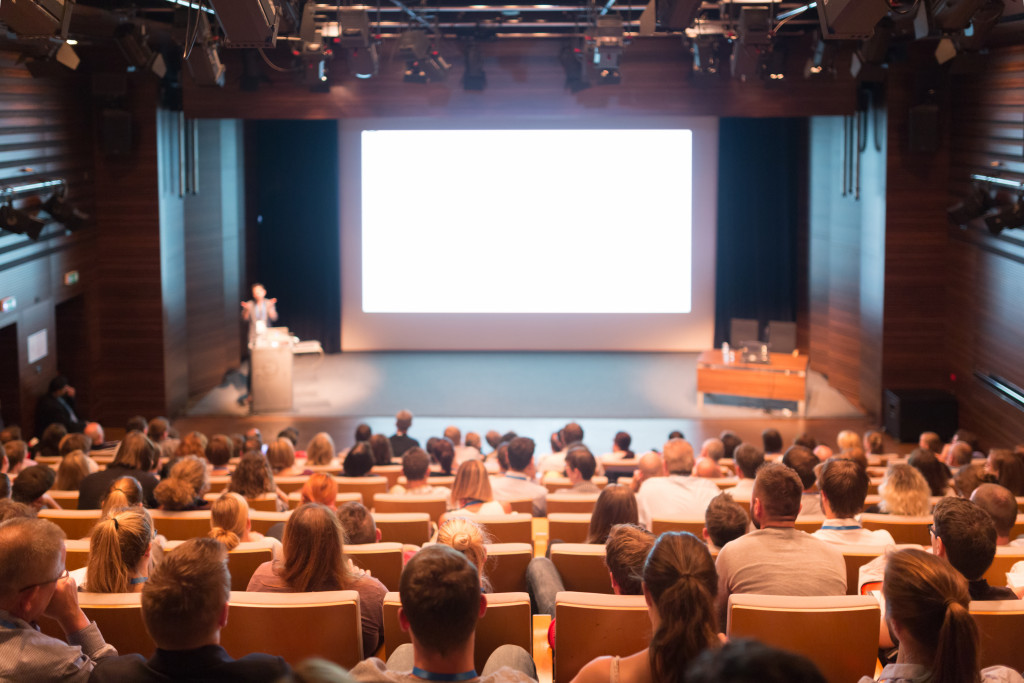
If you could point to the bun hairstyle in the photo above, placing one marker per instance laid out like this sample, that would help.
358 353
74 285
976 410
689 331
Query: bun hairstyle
229 518
929 600
470 539
680 576
123 493
117 544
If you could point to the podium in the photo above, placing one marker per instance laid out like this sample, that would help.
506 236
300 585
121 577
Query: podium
271 356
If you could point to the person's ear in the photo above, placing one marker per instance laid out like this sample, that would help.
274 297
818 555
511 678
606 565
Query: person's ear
222 620
705 535
616 588
377 534
483 605
938 547
403 620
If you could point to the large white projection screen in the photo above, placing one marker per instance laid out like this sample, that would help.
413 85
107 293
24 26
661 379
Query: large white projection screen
541 238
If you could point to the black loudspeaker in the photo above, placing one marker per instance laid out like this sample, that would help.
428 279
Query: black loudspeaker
909 412
116 132
924 128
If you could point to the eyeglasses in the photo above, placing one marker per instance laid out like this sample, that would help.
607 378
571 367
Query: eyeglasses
63 575
931 530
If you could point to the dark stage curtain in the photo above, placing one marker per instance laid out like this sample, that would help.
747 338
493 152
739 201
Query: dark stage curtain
761 179
292 186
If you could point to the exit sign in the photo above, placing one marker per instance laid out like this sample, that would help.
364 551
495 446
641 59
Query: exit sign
71 278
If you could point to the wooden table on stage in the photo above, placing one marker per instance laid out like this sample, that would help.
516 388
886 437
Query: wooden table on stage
783 378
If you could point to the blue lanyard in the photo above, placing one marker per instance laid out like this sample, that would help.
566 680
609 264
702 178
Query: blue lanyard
516 476
137 580
472 501
431 676
841 528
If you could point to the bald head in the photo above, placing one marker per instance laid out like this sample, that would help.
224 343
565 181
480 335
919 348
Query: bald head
678 456
712 448
707 468
1000 505
650 465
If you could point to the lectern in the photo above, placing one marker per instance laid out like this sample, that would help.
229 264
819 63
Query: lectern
271 358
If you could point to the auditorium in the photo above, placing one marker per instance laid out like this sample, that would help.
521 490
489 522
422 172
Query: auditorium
608 297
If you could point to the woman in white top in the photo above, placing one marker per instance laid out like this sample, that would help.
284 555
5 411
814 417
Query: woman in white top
471 494
230 524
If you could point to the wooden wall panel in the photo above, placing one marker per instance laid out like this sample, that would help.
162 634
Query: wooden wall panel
524 77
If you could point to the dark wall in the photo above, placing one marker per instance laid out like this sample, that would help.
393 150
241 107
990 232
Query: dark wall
761 216
294 224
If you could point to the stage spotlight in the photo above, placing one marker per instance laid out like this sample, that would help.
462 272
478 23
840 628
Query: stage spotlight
474 77
775 62
17 221
355 38
868 64
64 213
248 23
953 15
59 62
571 58
976 203
423 63
850 19
707 55
313 53
746 62
1004 217
604 41
204 61
133 40
37 18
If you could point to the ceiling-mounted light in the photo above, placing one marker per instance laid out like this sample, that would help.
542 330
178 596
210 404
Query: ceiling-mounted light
64 213
204 59
604 42
133 40
423 62
313 52
21 222
354 36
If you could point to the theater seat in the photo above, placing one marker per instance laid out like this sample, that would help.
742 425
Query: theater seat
582 567
695 526
435 506
382 560
74 523
1000 623
506 566
295 626
515 528
265 503
839 633
390 472
523 506
289 484
367 486
1006 557
904 528
119 618
855 557
570 527
181 526
68 500
572 502
262 521
414 528
77 553
295 500
506 621
591 625
242 562
556 484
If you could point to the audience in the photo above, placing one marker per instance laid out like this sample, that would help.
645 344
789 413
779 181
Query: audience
725 520
74 467
1001 506
381 448
649 466
75 441
965 536
16 453
400 440
470 539
136 457
747 459
772 442
184 488
320 451
416 469
184 608
730 440
33 584
119 553
1007 468
970 477
844 487
281 456
751 661
931 442
873 442
777 559
805 464
472 494
230 524
124 492
31 487
679 584
443 453
518 481
359 460
358 524
934 472
677 495
314 561
620 447
252 479
616 505
580 465
49 441
441 603
321 488
904 491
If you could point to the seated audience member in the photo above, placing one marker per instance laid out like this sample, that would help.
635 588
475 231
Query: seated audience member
711 451
230 524
358 524
751 661
185 487
158 429
320 488
49 442
679 583
184 608
847 440
844 486
97 437
616 505
194 443
649 466
75 441
443 453
416 469
320 451
823 452
441 603
965 536
725 520
136 423
400 440
17 456
31 487
124 492
969 478
1001 506
359 460
926 608
856 454
518 481
119 553
771 440
707 468
5 486
1007 468
935 472
281 456
554 463
730 440
363 433
470 539
33 584
473 441
804 462
74 467
958 455
873 443
931 442
57 406
381 448
9 509
620 447
252 478
677 495
806 440
10 433
747 459
769 560
219 451
904 491
136 457
462 454
290 433
314 561
580 465
472 494
676 434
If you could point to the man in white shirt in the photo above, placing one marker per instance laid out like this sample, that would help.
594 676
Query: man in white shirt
677 495
462 453
747 459
802 461
844 486
518 481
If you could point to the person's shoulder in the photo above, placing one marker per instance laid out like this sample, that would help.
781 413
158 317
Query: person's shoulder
370 584
595 671
1000 674
507 675
373 669
258 666
130 667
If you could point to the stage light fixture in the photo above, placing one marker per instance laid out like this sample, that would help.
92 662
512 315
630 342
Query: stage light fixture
604 41
37 18
1004 217
707 55
64 213
18 221
474 78
976 203
355 37
58 62
868 64
775 62
248 23
133 40
204 61
313 52
850 19
423 63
